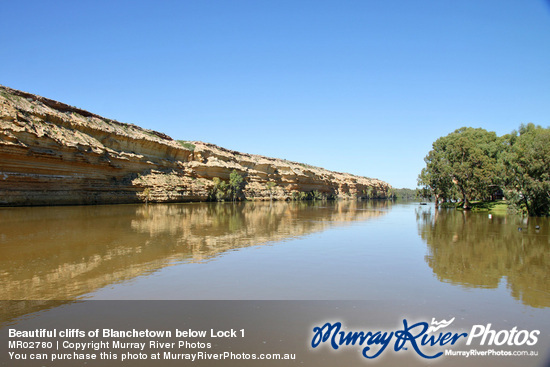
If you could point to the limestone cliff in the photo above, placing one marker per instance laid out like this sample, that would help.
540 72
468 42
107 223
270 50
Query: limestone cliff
55 154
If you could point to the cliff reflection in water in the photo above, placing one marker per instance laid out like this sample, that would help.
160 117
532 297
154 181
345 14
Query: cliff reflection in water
63 253
473 250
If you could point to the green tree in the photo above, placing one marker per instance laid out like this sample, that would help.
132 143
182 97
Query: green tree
526 173
424 193
270 185
465 161
235 184
220 190
436 178
147 194
404 193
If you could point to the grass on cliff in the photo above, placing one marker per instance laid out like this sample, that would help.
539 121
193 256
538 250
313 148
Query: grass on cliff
187 145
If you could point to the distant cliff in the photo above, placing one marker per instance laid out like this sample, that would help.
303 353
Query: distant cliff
55 154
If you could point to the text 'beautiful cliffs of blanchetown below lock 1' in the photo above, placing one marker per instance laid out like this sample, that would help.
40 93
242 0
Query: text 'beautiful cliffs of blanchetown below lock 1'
55 154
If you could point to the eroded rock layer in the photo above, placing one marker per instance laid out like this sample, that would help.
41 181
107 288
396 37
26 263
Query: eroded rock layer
55 154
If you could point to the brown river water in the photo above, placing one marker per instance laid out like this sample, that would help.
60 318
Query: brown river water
395 260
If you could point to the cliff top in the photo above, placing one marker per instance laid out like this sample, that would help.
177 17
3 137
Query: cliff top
17 104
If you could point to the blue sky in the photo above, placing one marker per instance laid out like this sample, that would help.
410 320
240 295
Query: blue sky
354 86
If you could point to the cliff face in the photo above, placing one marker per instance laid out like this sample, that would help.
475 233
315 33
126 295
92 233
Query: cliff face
54 154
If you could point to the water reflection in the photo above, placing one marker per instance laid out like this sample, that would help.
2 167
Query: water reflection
63 253
475 250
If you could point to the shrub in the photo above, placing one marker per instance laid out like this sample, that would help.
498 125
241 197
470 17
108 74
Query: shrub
187 145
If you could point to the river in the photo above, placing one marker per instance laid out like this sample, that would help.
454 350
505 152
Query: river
424 261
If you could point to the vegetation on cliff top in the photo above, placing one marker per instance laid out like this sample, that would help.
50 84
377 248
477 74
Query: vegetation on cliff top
186 144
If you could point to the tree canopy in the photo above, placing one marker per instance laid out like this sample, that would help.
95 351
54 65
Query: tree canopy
462 164
526 163
470 164
235 184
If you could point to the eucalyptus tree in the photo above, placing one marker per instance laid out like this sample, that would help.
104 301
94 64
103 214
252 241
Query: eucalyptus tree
235 184
526 174
463 162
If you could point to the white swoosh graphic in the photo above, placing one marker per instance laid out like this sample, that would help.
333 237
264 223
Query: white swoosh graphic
439 325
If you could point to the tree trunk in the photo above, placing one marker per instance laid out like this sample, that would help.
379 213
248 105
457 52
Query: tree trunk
466 204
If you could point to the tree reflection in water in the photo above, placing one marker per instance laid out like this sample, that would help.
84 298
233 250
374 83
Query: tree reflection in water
477 250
